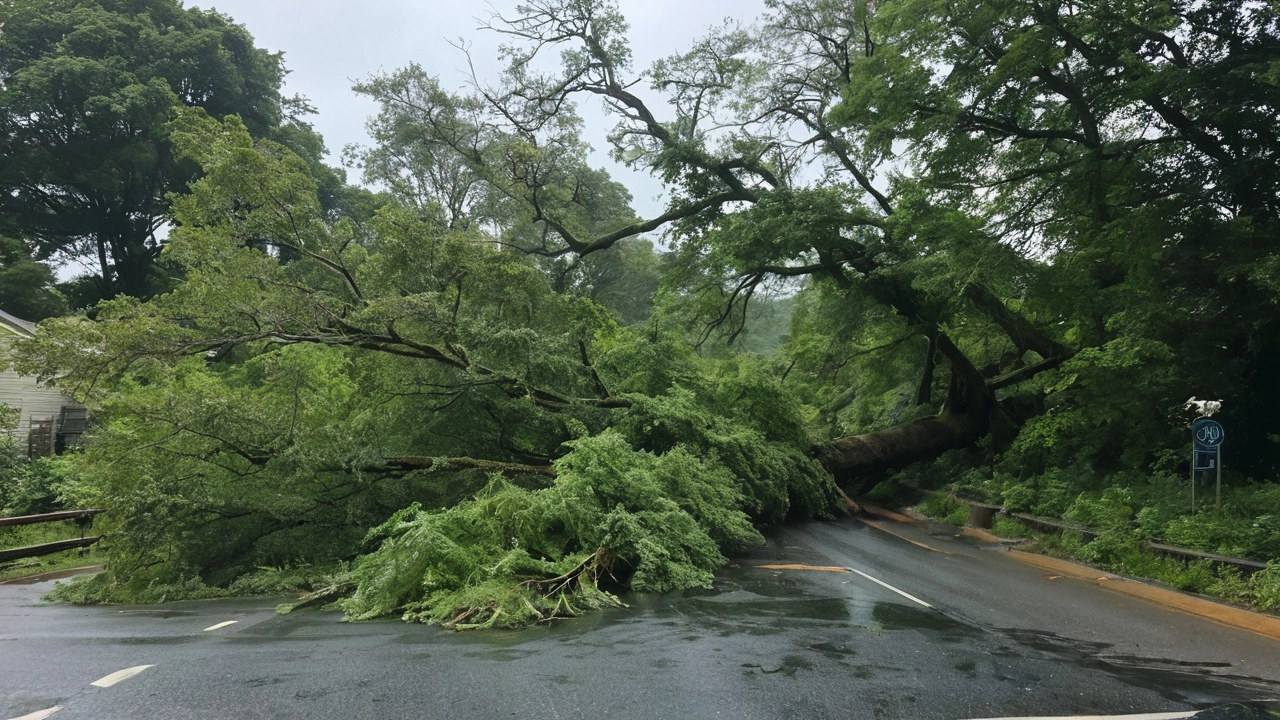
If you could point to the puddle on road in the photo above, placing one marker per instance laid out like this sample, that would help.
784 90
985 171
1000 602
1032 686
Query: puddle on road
755 606
1197 684
892 616
162 614
788 666
832 649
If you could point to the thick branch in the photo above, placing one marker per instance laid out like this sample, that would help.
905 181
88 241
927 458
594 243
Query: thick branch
414 462
1025 373
1021 332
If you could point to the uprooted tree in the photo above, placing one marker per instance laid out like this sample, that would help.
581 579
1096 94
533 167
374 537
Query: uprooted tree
991 224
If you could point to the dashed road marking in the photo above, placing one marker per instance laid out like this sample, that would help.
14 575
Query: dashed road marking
39 714
832 568
221 625
796 566
119 675
886 585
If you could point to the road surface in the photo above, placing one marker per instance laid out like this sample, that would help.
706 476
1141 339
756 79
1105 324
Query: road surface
926 626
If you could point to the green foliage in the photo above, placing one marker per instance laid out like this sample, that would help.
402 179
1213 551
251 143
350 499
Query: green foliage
1049 494
29 487
1006 527
944 507
1112 509
32 487
885 491
1046 248
266 427
1266 588
1226 532
775 477
88 88
286 579
1126 552
511 555
93 589
26 286
13 464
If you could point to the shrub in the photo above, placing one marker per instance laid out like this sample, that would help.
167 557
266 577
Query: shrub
1265 588
885 491
1111 509
946 508
36 487
1225 531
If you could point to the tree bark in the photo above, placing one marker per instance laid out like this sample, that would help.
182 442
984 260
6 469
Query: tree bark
965 418
924 394
858 456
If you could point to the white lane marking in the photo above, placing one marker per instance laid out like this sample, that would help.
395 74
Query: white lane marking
1139 716
39 714
884 584
221 625
119 675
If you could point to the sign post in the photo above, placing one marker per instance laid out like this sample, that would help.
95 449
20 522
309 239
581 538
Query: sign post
1206 453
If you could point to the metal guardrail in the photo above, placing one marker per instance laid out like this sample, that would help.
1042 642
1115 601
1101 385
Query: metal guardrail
46 548
981 515
83 518
1053 525
1243 564
48 517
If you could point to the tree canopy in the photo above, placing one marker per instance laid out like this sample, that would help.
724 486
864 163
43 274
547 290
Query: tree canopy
26 286
1009 239
86 87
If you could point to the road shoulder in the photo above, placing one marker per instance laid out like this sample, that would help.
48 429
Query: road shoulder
1221 613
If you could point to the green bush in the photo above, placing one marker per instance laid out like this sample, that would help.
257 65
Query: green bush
13 467
885 491
1265 588
90 590
1229 584
1109 510
944 507
37 487
1227 532
1007 527
1049 494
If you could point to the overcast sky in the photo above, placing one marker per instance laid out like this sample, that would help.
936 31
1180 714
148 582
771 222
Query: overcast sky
330 43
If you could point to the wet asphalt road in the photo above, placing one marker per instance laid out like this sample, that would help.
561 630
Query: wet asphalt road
1002 639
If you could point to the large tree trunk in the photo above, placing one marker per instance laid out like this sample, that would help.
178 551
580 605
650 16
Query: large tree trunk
856 457
965 418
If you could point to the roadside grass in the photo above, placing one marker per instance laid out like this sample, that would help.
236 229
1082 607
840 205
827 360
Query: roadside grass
1123 552
24 535
944 507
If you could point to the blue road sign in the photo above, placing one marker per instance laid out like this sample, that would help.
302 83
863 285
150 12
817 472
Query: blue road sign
1205 459
1207 434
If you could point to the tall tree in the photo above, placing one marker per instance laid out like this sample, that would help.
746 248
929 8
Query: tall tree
746 114
26 286
980 165
86 87
1130 148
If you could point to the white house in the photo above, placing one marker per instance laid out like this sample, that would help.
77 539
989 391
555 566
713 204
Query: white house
50 420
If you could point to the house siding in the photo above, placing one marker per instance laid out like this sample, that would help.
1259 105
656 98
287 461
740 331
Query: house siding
26 393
